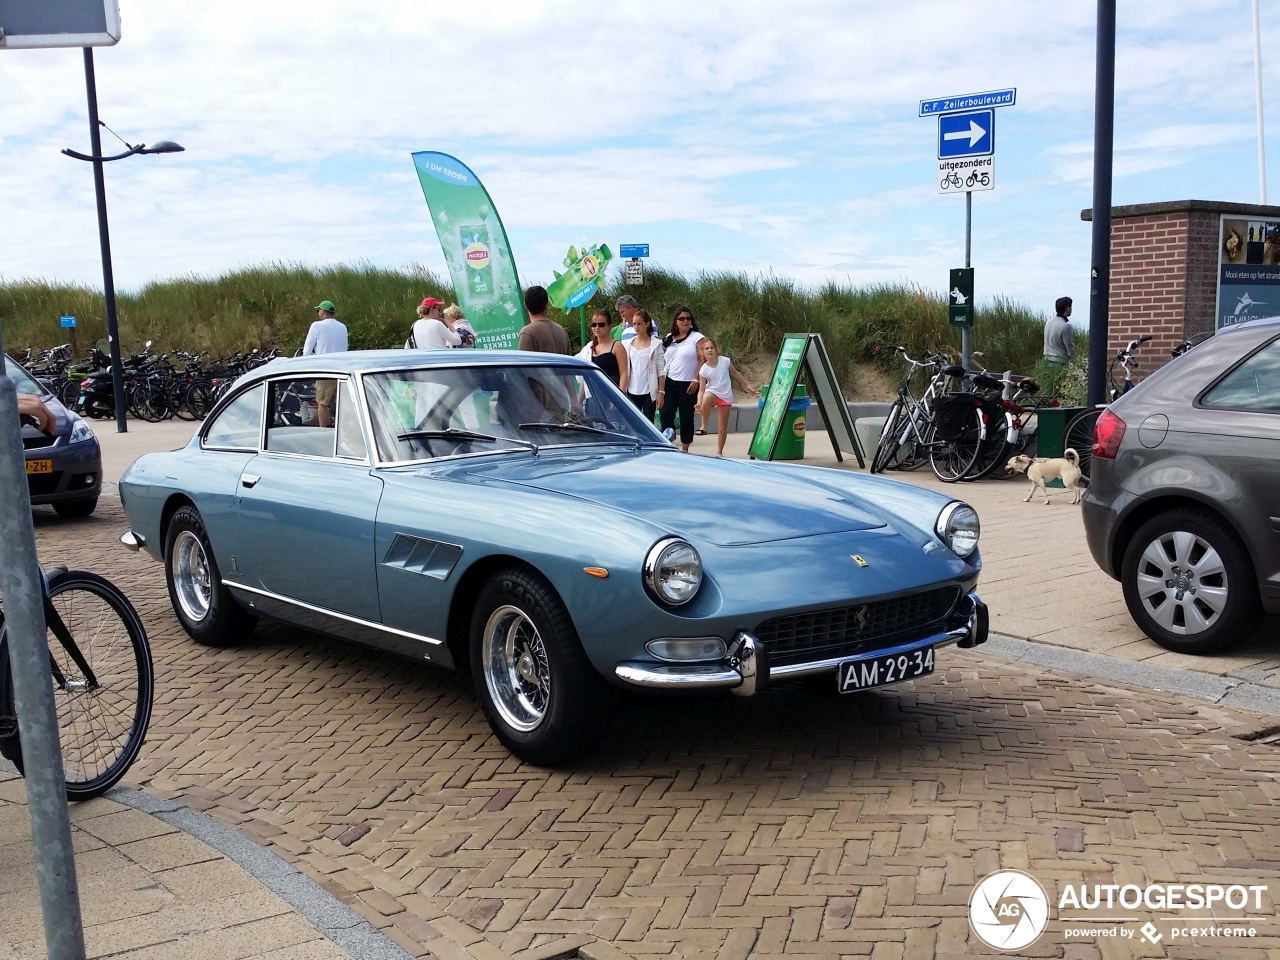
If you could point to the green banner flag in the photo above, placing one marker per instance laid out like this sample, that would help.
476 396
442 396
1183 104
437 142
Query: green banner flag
475 247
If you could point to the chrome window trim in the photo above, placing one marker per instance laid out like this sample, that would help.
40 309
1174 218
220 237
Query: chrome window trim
218 411
360 421
330 613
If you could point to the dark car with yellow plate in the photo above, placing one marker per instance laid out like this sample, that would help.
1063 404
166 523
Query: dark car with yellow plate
64 468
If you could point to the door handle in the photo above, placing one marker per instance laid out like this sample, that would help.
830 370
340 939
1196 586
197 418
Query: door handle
248 479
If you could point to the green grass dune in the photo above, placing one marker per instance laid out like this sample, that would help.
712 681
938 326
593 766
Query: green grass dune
272 305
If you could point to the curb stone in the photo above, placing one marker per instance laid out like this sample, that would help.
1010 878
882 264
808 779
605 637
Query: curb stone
1225 691
333 918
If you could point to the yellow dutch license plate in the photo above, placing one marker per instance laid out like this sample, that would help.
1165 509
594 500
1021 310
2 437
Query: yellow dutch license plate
39 466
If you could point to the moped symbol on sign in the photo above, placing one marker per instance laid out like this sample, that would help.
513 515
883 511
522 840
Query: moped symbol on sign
971 134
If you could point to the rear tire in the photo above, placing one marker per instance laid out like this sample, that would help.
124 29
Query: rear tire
542 696
952 460
1079 437
1189 583
205 607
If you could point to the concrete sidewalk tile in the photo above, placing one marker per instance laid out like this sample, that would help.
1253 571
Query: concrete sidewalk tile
125 826
173 849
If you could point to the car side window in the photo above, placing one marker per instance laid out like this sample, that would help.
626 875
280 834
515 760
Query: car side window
350 437
239 425
1254 385
300 416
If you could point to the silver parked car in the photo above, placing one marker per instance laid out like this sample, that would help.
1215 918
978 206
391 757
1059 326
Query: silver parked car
1183 506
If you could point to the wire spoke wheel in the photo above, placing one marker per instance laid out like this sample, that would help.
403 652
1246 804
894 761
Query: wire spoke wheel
1079 437
103 715
516 668
953 459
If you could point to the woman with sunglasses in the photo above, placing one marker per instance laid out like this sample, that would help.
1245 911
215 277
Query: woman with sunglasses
605 352
683 357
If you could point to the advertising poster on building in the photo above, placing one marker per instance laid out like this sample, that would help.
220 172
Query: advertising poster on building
475 247
1248 270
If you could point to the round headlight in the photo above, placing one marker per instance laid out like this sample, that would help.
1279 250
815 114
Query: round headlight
673 571
958 528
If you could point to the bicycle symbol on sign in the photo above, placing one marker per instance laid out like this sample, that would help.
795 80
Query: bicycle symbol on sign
977 178
952 180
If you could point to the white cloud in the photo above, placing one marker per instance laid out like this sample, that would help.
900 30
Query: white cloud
734 135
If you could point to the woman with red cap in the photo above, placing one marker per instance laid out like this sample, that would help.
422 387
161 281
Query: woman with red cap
430 331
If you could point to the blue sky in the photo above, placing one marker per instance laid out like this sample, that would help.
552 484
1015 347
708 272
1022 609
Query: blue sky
744 136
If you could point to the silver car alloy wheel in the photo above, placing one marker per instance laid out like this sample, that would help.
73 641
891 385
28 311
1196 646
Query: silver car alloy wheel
516 670
191 580
1182 582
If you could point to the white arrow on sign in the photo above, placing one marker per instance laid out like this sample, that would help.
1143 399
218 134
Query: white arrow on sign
974 133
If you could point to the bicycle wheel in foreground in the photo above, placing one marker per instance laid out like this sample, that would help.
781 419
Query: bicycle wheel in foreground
952 458
1079 437
101 727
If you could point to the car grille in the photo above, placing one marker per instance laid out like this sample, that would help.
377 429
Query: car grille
846 631
30 443
41 484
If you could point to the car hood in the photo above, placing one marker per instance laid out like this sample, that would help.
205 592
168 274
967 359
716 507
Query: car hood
724 502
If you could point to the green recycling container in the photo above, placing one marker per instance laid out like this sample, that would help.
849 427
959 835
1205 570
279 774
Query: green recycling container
790 444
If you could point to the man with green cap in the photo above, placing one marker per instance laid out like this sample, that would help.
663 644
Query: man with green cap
327 335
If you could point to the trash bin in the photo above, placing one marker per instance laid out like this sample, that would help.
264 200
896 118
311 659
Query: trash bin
1052 425
790 444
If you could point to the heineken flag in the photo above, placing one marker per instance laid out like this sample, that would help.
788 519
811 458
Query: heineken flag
476 249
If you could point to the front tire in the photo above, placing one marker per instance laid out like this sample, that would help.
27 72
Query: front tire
541 695
204 605
76 508
1189 583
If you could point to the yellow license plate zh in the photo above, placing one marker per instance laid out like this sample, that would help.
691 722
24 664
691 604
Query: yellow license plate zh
39 466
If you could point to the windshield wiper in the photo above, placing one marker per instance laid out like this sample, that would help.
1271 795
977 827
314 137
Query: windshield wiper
581 428
452 434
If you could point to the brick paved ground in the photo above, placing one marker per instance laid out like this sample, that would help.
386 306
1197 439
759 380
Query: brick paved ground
146 891
796 823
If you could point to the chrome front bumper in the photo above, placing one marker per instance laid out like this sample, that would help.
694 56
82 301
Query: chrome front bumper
746 669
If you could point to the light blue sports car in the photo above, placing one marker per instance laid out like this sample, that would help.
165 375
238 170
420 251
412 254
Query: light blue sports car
514 515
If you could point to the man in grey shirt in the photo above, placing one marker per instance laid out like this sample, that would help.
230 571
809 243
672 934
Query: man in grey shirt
1059 345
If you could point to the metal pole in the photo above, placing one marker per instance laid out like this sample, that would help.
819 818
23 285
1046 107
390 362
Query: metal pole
1103 135
108 281
33 693
1257 86
966 332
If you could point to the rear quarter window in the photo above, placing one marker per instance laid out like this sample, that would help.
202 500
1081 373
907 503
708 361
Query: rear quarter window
1254 385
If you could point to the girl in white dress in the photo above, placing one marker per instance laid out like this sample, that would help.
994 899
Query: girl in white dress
715 386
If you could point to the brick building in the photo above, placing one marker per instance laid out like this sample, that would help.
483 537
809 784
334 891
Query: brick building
1164 272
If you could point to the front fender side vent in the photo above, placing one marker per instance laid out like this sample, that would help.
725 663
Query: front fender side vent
431 558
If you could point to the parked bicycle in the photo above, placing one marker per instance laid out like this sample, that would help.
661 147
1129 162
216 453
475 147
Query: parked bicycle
1079 433
100 666
907 432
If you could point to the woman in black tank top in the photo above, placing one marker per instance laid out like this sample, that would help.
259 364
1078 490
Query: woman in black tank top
607 353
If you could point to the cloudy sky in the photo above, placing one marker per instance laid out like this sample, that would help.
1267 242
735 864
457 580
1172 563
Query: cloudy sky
755 136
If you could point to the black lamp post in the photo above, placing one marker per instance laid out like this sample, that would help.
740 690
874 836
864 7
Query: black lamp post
108 281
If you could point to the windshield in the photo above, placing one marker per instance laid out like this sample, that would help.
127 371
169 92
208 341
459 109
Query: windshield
450 411
22 380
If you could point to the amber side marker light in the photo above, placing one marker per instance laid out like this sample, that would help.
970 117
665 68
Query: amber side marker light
600 572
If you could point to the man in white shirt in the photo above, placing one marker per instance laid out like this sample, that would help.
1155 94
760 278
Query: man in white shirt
327 335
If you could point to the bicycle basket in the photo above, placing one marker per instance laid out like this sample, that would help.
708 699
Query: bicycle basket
953 417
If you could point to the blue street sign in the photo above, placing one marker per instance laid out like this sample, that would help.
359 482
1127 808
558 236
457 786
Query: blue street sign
971 134
68 322
970 101
628 250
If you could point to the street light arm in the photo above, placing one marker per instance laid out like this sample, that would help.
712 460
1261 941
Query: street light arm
119 156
